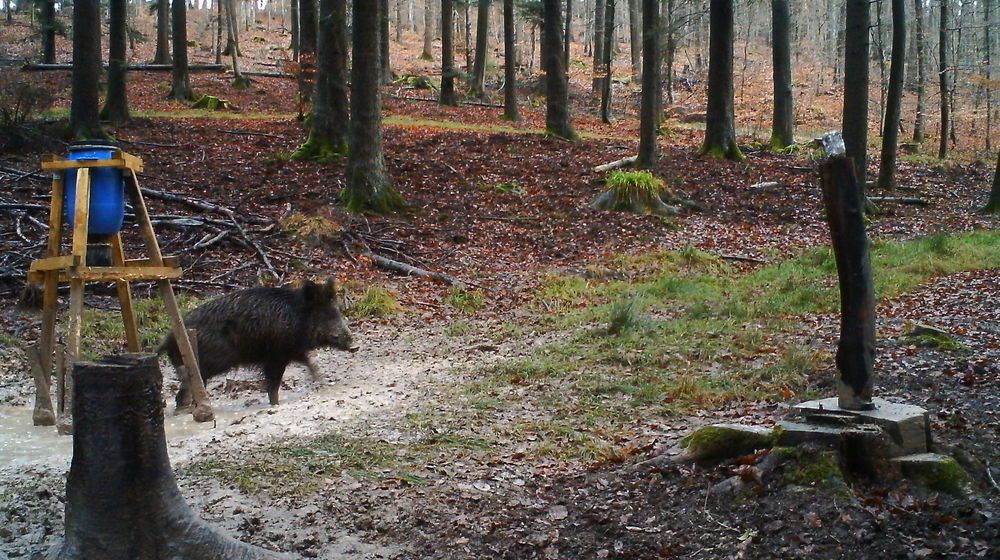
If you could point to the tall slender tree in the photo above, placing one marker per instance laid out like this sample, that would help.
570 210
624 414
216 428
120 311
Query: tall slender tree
385 72
84 119
48 31
855 115
650 78
783 120
600 7
894 97
988 64
447 53
720 120
308 28
328 134
482 35
557 120
510 111
568 34
369 188
181 83
293 14
428 52
635 39
993 204
116 104
608 55
162 55
918 120
943 79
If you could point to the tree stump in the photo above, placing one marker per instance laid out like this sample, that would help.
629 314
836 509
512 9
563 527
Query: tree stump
122 501
844 200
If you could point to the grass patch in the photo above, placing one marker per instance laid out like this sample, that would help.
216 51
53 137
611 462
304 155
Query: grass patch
103 331
464 299
374 301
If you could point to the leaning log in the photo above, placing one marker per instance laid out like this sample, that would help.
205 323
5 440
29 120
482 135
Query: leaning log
122 501
844 201
208 67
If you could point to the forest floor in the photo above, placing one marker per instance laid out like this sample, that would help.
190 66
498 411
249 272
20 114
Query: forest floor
506 418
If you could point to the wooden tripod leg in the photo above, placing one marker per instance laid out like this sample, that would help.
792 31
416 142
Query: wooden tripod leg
202 406
43 414
50 298
125 296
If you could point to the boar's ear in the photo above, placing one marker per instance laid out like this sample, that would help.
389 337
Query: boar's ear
312 292
331 288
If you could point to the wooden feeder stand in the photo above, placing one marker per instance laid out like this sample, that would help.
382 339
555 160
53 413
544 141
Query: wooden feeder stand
74 269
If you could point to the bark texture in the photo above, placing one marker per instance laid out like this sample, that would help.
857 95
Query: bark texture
482 34
181 84
162 55
855 116
48 31
328 136
116 105
943 80
600 8
782 121
918 120
649 123
993 205
894 97
556 87
447 53
428 52
720 119
635 38
510 111
368 186
122 501
84 119
607 52
842 196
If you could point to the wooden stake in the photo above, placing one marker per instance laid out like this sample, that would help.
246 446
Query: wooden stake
43 414
125 296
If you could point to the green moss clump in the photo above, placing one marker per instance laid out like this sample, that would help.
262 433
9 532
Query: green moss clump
814 468
635 191
318 149
943 475
724 441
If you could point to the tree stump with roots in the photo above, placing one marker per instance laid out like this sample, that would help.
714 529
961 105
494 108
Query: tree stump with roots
122 501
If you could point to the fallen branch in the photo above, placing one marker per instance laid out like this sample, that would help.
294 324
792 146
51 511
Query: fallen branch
900 200
249 133
765 185
260 250
200 205
624 162
131 67
436 100
269 74
22 206
404 268
740 258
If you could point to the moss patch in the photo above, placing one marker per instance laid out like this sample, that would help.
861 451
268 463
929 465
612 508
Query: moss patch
723 441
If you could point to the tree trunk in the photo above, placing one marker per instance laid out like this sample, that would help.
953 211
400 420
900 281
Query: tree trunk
720 121
855 116
385 71
918 121
608 52
599 66
894 97
232 28
220 22
181 89
368 186
48 31
428 52
510 111
843 195
328 136
650 78
447 54
399 21
482 36
556 89
568 34
988 48
783 120
671 49
116 105
993 204
293 14
162 55
635 39
84 117
239 81
943 79
122 501
307 28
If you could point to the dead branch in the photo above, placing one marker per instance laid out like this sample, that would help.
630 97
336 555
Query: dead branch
740 258
404 268
624 162
900 200
260 250
202 205
249 133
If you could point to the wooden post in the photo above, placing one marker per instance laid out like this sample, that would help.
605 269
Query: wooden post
122 500
843 197
43 414
125 296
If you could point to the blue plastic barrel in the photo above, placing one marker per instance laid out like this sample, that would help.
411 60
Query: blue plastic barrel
107 196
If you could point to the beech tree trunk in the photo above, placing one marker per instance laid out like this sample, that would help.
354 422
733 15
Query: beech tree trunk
232 27
181 87
328 135
993 204
783 120
608 52
510 111
557 120
568 34
720 120
48 31
447 54
308 28
122 501
635 38
385 71
894 97
293 13
162 55
843 197
600 7
649 123
428 52
482 36
369 188
918 121
943 80
84 120
116 105
855 115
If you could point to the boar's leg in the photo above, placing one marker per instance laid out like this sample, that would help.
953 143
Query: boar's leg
273 373
122 501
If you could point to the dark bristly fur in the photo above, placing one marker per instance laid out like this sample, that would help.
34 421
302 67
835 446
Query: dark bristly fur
267 328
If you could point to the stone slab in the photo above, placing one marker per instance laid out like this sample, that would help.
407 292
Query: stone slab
906 424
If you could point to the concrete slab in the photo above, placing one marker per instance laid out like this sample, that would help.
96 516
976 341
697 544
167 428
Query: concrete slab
937 471
906 424
829 435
